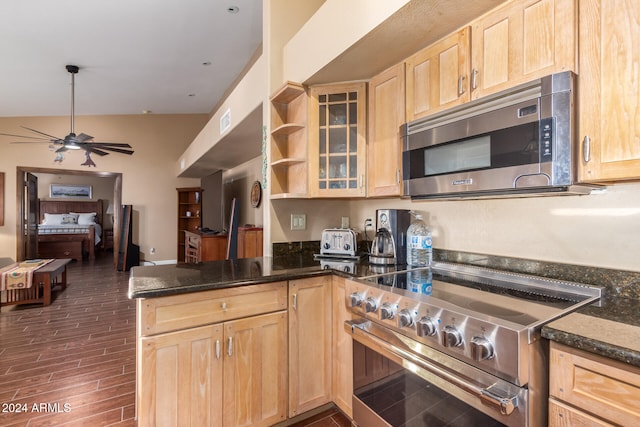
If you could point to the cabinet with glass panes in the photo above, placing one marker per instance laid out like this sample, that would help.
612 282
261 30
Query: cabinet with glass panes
337 143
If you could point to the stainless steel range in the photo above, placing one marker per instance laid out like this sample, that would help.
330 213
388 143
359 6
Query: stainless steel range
454 345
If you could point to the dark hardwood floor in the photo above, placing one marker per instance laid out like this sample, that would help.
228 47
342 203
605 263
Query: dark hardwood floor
72 363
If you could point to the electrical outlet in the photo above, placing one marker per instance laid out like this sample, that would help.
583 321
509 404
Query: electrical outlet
298 221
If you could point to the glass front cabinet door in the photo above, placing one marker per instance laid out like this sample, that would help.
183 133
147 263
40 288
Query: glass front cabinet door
337 140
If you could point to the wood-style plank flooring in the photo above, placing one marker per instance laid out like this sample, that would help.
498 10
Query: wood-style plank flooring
72 363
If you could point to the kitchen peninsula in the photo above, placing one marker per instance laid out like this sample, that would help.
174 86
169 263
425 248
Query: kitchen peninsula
257 307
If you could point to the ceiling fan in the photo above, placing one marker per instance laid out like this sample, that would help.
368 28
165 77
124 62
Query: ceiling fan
73 141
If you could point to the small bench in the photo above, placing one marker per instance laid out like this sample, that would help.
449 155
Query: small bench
45 279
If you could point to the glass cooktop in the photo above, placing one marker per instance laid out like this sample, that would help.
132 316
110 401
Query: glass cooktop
520 299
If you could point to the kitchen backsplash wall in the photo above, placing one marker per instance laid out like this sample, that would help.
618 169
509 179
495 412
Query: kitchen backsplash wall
599 230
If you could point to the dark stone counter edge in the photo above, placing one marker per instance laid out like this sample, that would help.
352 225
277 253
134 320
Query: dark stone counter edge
590 345
288 275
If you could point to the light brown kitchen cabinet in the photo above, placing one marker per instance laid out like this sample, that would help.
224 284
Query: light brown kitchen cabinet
521 41
609 100
342 355
255 371
337 140
438 76
591 390
309 344
181 374
213 358
386 114
289 142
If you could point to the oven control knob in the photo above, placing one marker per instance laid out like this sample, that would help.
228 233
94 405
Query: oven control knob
370 305
356 299
427 326
387 311
481 349
451 337
405 318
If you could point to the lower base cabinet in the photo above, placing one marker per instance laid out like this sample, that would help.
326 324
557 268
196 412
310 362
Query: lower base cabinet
213 358
342 350
309 344
590 390
243 356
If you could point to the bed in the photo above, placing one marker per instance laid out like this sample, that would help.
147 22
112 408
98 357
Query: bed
69 229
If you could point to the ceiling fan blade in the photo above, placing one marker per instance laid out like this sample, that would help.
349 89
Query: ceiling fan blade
110 144
42 133
83 137
115 150
30 137
95 151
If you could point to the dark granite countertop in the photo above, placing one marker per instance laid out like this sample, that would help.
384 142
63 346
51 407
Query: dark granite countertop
611 330
164 280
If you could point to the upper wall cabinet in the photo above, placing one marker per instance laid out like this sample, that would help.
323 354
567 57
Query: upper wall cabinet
521 41
289 142
337 140
437 76
609 94
384 147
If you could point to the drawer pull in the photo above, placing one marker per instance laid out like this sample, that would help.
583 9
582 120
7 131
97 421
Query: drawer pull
230 346
223 306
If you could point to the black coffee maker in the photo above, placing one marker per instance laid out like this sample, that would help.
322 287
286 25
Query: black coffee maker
395 222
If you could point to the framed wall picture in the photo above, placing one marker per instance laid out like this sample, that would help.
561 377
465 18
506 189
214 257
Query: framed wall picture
70 191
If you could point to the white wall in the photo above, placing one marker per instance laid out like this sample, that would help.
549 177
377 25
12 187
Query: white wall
600 230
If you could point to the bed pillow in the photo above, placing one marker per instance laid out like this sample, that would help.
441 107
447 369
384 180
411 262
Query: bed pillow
53 219
69 219
86 218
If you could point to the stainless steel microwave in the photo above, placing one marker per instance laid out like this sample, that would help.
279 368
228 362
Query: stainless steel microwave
520 142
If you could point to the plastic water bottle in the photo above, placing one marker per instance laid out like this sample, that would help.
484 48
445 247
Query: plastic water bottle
419 251
420 281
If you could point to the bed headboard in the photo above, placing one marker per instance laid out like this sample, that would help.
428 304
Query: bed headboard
66 206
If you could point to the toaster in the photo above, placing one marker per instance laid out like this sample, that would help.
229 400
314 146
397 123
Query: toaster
339 242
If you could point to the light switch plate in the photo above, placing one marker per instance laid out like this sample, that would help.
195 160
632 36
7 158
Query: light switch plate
298 221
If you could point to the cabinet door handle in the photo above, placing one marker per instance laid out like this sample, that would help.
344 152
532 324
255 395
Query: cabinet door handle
474 78
218 349
461 85
397 176
230 346
361 181
295 301
586 149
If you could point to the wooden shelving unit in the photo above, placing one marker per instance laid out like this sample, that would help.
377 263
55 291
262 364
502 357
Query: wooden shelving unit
289 176
189 214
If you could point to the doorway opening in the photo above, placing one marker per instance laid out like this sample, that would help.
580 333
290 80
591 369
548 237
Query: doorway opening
22 222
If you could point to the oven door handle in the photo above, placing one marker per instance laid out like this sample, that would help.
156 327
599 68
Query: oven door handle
366 332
